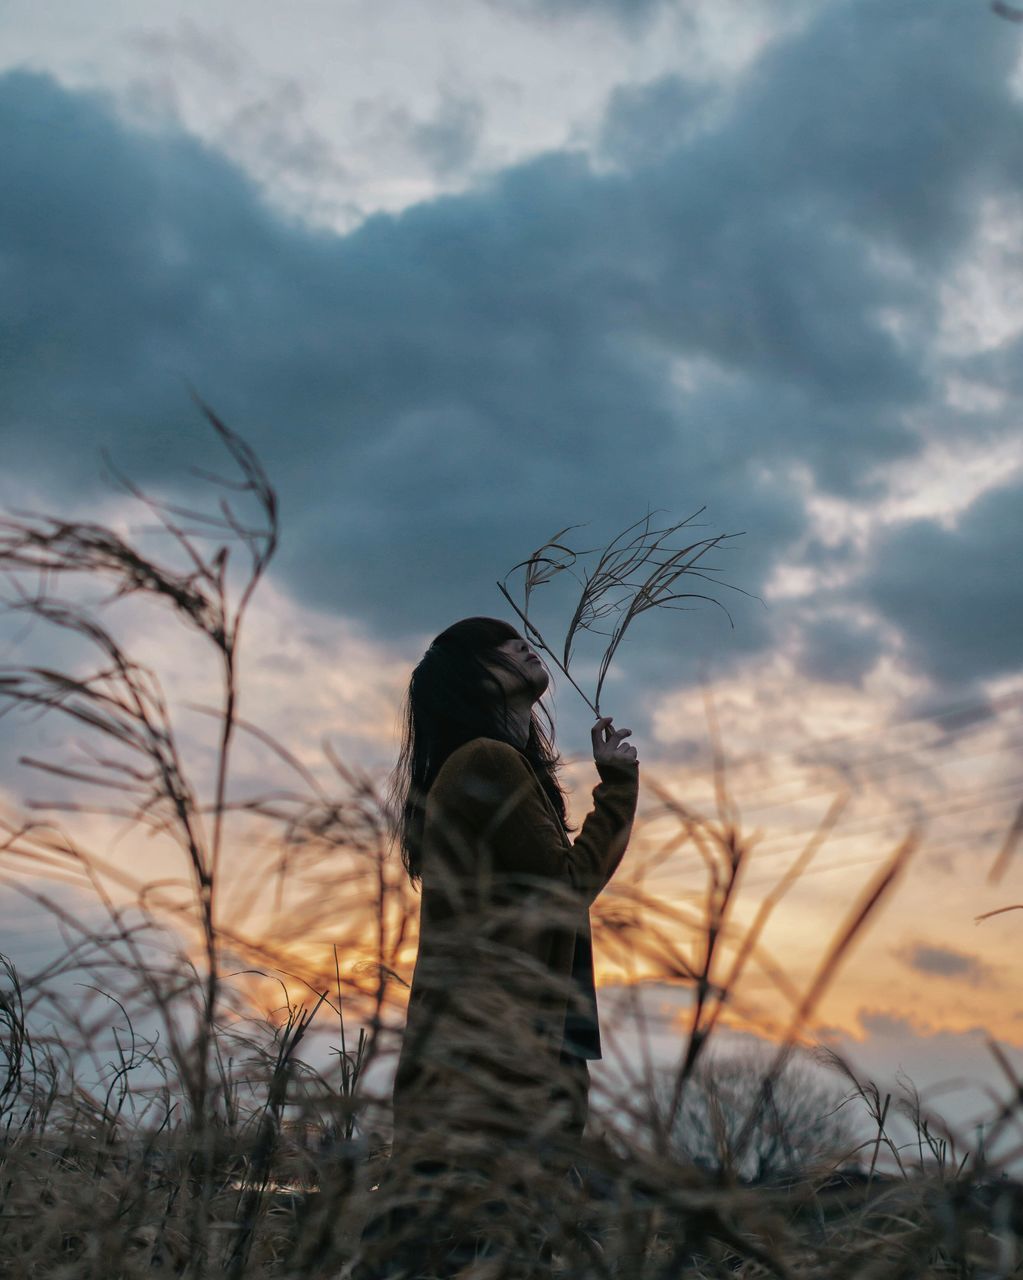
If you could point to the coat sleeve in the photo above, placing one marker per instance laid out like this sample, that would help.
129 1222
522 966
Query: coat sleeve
524 837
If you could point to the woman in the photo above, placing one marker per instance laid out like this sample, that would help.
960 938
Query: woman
502 1013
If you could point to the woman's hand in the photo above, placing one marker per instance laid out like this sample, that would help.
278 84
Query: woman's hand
609 747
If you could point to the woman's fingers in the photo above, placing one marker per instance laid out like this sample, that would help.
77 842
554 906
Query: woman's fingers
603 725
608 742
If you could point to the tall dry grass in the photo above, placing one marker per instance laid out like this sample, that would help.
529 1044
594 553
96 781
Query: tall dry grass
163 1113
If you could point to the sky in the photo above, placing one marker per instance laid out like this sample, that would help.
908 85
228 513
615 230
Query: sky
465 273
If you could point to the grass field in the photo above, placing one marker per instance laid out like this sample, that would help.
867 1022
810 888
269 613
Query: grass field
163 1114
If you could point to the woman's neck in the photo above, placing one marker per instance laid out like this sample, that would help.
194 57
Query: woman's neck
517 723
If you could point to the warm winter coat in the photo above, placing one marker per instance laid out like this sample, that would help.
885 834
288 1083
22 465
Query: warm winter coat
504 913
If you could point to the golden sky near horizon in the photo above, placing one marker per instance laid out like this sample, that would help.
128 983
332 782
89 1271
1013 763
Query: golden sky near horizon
923 958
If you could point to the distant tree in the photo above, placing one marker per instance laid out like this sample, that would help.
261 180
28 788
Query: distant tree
798 1121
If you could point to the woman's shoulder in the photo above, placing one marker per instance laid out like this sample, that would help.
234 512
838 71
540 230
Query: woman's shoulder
486 755
477 780
483 768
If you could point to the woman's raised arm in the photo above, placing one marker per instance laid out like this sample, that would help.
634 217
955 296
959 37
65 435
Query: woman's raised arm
519 829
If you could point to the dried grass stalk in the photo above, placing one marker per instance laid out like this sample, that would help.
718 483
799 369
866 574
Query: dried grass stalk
637 571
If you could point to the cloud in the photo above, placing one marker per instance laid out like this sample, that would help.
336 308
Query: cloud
838 651
877 157
429 392
681 105
435 393
443 142
630 13
448 140
216 53
947 962
955 593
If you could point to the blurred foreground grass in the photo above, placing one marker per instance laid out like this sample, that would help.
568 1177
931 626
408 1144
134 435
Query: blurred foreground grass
157 1119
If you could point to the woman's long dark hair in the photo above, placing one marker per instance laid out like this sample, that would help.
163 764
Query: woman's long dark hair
453 698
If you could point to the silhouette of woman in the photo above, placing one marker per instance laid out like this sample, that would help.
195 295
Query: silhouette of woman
502 1015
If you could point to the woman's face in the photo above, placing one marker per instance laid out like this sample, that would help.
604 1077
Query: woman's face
531 676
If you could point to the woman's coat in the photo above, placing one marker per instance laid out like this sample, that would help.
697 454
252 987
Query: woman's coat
505 896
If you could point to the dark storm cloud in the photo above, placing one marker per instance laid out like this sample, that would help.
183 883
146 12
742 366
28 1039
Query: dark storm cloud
838 651
946 962
679 105
436 392
956 594
433 394
854 96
